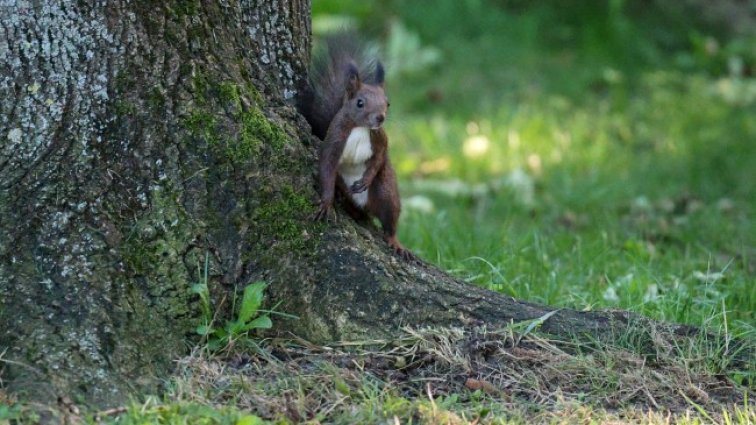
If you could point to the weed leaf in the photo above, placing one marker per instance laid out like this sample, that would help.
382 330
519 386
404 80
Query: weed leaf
262 322
235 328
220 333
536 323
251 301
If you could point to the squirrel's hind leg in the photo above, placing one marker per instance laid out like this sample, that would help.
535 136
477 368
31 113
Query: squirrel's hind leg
383 203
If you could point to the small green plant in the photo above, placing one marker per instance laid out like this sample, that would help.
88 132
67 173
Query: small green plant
249 317
9 413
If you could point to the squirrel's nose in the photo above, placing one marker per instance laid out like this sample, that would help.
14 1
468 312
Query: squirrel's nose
380 118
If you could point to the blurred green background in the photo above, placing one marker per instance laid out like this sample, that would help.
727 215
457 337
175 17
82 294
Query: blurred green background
590 154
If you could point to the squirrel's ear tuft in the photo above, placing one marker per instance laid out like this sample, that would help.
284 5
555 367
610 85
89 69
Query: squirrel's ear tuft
380 73
352 79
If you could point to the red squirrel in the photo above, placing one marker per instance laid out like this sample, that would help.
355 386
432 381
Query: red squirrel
347 112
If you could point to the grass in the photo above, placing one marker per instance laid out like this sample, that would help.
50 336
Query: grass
431 376
549 163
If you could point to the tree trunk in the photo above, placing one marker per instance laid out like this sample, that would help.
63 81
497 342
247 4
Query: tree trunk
139 138
136 139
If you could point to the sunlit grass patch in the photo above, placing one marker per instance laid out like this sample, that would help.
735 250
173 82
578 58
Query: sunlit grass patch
593 204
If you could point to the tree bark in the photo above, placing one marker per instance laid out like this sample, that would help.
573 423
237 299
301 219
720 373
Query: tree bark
139 138
136 139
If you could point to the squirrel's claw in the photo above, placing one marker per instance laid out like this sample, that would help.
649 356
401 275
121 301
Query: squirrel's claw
324 213
358 186
399 250
405 254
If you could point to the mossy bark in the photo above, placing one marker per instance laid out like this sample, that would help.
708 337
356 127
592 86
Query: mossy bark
139 138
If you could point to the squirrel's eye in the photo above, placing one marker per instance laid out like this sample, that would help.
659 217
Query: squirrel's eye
360 103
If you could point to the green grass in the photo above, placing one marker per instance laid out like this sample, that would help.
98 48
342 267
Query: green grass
606 174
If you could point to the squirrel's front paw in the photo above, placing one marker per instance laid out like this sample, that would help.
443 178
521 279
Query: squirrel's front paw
358 186
325 212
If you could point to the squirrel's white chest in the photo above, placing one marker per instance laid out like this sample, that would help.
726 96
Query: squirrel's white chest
357 150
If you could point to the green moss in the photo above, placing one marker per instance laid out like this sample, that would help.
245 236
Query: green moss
227 117
136 256
200 85
187 7
202 125
252 92
185 69
196 33
229 93
155 99
239 134
282 218
173 39
124 108
124 81
256 129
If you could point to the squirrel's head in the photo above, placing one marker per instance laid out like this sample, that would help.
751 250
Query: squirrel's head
366 104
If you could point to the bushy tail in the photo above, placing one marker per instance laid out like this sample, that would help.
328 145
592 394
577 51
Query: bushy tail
324 94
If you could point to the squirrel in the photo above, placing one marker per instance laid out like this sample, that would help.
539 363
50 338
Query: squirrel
346 106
